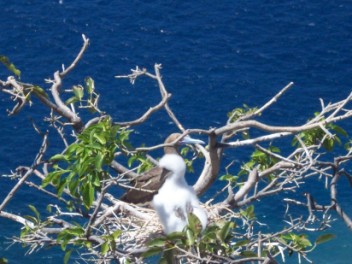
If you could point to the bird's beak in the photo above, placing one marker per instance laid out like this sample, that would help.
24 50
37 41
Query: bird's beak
188 140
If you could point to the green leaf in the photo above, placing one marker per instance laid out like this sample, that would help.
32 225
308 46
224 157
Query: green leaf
71 100
3 261
248 212
89 85
88 194
258 154
99 161
67 256
225 230
116 234
35 211
105 248
53 177
76 231
73 184
228 177
324 238
100 139
10 66
190 237
339 130
157 242
60 187
176 235
210 233
78 92
58 157
304 242
48 208
194 224
241 243
39 91
32 219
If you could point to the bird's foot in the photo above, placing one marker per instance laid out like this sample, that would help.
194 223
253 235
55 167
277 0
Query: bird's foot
179 213
189 208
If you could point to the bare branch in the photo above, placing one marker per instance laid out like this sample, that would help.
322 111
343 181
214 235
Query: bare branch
36 162
78 58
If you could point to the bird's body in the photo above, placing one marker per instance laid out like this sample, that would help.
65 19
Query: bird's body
145 186
176 199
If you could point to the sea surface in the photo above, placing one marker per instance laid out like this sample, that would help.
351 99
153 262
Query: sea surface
216 55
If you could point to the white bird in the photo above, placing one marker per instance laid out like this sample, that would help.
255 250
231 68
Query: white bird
176 199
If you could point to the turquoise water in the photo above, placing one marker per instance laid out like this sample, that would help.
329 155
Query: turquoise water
215 56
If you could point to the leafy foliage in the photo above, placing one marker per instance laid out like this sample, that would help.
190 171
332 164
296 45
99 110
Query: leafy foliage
319 136
141 159
297 242
240 112
85 95
213 240
84 164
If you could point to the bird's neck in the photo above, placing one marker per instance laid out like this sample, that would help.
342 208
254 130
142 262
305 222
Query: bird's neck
171 150
176 181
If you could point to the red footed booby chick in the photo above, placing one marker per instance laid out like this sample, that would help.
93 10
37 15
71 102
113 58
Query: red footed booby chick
175 198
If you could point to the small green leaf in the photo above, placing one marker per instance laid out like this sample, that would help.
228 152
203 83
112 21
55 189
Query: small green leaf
10 66
71 100
3 261
104 248
89 85
39 91
61 186
78 91
73 184
75 231
67 256
35 211
116 234
339 130
157 242
228 177
225 230
190 237
100 139
324 238
176 235
99 161
88 194
58 157
248 212
194 224
241 243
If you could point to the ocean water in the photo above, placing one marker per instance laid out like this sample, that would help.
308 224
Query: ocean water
216 55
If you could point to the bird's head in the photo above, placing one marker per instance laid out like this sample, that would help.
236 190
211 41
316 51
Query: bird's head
182 141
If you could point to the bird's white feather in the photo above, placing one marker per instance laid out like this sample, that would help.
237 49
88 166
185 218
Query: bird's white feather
175 198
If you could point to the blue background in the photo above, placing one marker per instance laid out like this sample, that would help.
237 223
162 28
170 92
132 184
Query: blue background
215 56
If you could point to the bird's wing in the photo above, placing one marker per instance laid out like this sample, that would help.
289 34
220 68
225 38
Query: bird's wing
146 186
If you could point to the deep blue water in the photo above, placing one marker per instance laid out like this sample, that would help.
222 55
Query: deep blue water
215 57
